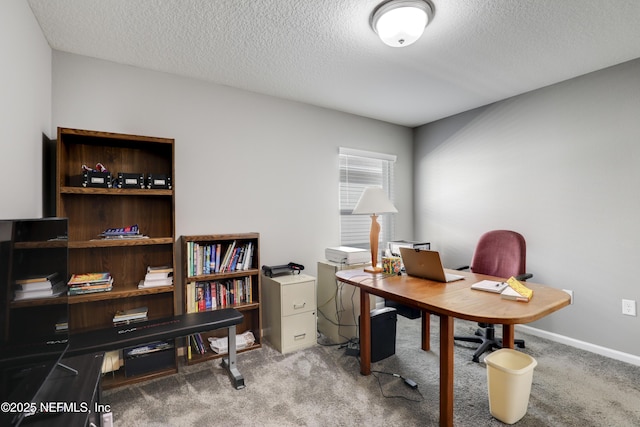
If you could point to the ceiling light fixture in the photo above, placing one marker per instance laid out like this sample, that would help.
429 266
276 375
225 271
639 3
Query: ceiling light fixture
400 23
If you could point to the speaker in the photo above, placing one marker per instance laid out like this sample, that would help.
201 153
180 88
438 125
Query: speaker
383 333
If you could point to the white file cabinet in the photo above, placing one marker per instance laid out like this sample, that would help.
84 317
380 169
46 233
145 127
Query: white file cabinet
289 311
338 303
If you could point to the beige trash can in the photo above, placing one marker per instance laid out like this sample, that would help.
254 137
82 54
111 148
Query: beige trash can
509 378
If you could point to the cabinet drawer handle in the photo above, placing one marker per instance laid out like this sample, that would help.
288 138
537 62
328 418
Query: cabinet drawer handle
296 306
299 336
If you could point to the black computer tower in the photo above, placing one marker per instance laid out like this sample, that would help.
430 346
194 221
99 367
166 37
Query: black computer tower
383 333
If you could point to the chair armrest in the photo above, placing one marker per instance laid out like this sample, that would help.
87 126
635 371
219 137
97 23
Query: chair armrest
466 267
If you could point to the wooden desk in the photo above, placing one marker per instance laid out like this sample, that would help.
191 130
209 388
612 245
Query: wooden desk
448 301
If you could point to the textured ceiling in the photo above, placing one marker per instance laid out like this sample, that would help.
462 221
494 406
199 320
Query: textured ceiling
323 52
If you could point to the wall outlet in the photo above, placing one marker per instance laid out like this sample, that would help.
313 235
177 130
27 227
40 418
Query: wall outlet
629 307
570 294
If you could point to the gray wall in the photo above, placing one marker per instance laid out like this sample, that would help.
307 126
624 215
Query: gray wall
25 109
244 162
560 165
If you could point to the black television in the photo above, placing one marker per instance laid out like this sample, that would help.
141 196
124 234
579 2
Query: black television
33 326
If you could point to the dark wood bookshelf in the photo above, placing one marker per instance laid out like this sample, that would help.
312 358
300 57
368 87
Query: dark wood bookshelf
250 310
91 210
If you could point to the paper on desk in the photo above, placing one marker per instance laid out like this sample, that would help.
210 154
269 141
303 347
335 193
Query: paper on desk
489 286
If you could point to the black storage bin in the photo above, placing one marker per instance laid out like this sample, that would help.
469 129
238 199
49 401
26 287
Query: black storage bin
148 362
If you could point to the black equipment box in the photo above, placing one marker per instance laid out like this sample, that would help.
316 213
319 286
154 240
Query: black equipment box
152 357
96 179
383 333
130 180
159 181
403 310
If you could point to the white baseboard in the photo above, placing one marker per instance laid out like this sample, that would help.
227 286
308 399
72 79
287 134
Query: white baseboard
593 348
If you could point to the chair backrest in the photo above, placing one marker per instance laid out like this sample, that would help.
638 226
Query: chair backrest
500 253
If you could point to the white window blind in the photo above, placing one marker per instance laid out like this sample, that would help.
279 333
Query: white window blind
359 170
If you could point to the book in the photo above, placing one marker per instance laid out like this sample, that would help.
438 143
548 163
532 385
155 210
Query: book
489 286
157 276
129 322
144 284
38 278
53 291
199 343
124 231
227 257
218 250
516 291
130 314
201 302
215 294
62 325
34 286
191 300
90 288
85 278
160 269
248 256
207 296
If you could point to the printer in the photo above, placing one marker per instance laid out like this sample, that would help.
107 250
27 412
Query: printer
347 255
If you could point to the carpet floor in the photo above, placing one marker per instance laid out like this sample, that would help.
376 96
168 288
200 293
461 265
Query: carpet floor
322 386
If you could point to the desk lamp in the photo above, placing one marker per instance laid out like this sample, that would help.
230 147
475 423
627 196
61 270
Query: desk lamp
374 201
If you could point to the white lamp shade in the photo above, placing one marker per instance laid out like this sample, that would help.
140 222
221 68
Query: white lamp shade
374 201
400 23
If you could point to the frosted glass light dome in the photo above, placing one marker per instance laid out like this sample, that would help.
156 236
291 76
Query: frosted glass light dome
400 23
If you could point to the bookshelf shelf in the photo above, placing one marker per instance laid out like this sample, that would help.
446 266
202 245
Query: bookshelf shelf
222 276
116 191
97 243
91 210
245 281
122 292
39 302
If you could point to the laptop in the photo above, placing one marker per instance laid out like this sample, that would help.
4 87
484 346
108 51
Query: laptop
426 264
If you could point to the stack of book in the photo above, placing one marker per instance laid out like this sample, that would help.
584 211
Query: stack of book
62 325
124 317
157 276
88 283
39 286
130 232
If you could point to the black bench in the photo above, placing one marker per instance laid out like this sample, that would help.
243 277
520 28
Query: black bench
163 329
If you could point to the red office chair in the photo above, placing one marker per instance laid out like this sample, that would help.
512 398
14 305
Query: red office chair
500 253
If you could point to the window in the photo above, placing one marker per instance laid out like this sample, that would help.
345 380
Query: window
359 170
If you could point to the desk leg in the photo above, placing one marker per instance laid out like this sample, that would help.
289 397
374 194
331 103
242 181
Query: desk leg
508 336
365 333
426 330
446 371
